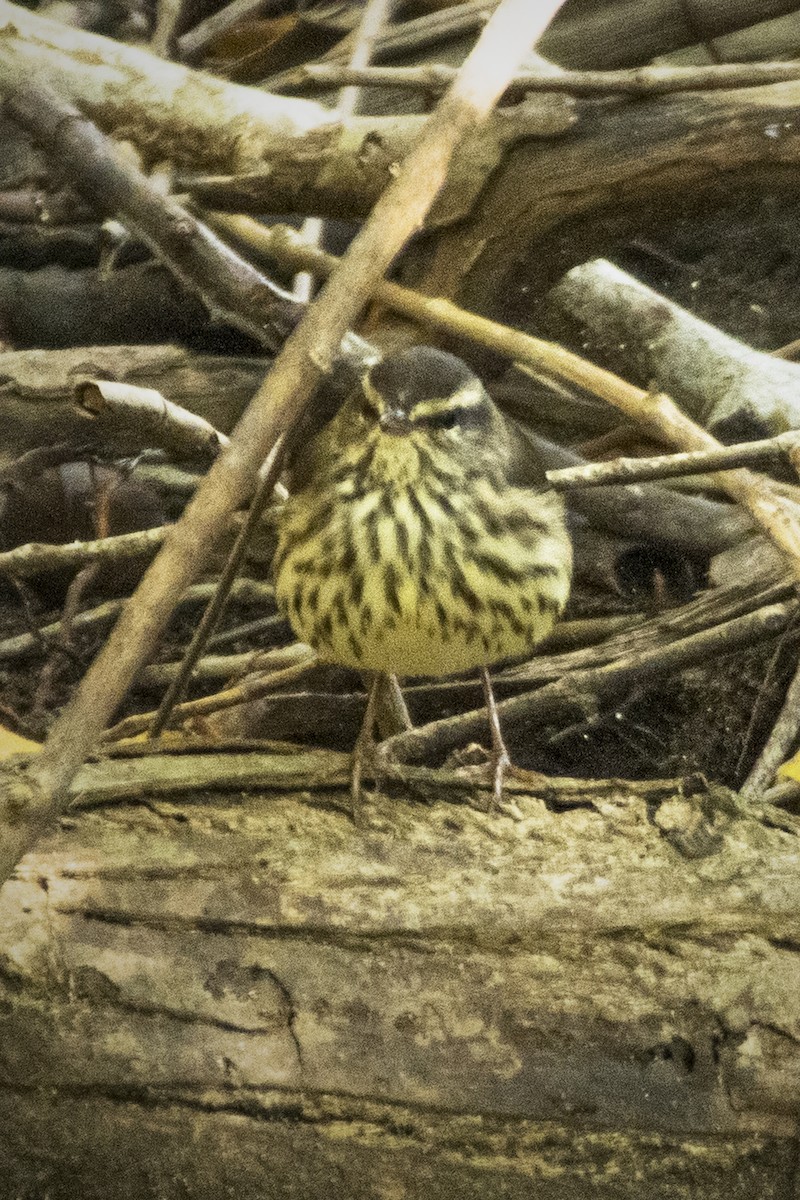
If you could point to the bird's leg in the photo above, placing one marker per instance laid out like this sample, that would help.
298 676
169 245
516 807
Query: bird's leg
364 749
397 709
500 756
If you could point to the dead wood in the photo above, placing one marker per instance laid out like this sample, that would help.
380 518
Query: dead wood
226 284
37 387
303 361
714 377
629 159
165 109
249 988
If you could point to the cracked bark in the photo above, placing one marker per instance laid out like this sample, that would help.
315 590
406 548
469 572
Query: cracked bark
205 990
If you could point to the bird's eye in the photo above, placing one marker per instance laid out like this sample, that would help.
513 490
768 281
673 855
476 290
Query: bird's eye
445 420
367 411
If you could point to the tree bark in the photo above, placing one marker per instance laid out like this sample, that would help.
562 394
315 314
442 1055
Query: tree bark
248 995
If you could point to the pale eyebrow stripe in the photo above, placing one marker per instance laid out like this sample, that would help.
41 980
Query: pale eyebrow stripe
372 395
470 396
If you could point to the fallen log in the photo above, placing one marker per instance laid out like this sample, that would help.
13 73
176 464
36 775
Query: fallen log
591 994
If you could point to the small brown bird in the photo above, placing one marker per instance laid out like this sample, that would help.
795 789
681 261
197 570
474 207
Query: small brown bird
404 548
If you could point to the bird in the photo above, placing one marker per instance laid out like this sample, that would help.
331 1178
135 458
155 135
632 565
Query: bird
406 549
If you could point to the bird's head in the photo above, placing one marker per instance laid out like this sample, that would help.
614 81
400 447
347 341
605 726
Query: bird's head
420 408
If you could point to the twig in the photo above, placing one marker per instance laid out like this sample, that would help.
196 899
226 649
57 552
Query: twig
30 807
126 410
666 466
250 591
168 15
226 284
655 413
251 688
39 558
778 745
192 44
222 668
410 36
638 81
268 477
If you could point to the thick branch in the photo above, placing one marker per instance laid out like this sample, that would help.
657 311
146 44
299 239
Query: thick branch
711 375
179 113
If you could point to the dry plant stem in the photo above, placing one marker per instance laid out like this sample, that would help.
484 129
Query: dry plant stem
306 356
263 495
778 745
501 760
582 695
168 14
638 81
221 669
24 644
226 284
667 466
657 414
411 36
39 558
375 16
192 44
121 408
243 692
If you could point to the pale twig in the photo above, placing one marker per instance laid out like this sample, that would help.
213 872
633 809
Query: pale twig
637 81
39 558
667 466
168 15
30 807
582 695
248 591
192 44
657 414
780 741
122 409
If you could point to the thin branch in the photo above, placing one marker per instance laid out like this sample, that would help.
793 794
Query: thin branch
668 466
248 591
168 15
778 745
192 44
31 806
228 286
638 81
251 688
268 477
40 558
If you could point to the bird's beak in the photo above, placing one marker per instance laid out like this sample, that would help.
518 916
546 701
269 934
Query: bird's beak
395 422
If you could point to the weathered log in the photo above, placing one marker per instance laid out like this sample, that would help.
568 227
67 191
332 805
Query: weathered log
248 995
